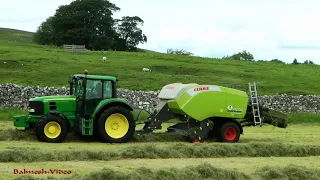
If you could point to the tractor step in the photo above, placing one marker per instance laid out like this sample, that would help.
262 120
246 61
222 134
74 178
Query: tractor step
86 126
196 132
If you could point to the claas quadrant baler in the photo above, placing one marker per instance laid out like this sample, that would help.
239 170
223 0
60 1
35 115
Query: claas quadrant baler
210 111
199 112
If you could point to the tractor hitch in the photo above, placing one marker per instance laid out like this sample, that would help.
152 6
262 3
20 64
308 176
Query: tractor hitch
149 125
160 115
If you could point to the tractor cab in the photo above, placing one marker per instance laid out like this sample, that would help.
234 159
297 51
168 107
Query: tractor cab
90 91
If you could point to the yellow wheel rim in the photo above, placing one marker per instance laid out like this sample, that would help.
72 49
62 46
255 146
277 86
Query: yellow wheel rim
117 126
52 130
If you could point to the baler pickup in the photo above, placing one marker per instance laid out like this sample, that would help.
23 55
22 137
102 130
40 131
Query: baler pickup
210 111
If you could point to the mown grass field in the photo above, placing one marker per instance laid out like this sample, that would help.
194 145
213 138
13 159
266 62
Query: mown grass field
263 153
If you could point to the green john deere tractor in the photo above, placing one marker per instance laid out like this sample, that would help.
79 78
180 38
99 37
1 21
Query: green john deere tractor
91 108
202 111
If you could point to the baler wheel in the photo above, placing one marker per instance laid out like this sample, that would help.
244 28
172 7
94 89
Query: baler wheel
229 132
52 129
116 125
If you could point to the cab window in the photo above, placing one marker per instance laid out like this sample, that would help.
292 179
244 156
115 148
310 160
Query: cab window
94 89
107 89
78 88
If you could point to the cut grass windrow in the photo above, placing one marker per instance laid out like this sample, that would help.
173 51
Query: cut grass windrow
29 135
203 171
154 151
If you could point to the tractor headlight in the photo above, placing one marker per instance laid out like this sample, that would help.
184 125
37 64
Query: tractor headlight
36 108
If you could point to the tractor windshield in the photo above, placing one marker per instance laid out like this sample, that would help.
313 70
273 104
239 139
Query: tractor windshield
95 88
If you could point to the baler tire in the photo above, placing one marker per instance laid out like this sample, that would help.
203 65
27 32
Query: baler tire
41 125
120 111
233 128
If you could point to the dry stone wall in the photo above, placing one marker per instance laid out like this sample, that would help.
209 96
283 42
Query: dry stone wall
12 95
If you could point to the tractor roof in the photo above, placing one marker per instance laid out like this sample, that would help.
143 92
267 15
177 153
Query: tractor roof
95 77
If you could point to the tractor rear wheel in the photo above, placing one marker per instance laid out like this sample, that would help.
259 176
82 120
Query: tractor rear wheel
116 125
229 132
51 128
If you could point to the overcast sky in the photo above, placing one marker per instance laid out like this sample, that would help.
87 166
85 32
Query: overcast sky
269 29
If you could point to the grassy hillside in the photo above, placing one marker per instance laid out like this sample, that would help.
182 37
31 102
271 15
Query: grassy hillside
15 35
31 64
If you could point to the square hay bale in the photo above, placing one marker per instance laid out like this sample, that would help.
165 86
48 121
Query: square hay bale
275 118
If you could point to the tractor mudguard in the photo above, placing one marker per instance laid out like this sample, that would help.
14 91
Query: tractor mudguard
59 114
108 103
56 113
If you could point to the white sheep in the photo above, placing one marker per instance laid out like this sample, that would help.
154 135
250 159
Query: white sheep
104 59
146 70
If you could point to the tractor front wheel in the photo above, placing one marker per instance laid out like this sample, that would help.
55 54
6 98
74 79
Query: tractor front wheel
229 132
116 125
51 128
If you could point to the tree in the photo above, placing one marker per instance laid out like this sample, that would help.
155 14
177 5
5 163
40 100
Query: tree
87 22
180 52
244 55
308 62
129 34
295 61
277 61
45 33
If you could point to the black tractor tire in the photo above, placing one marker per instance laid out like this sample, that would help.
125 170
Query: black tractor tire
42 130
228 132
128 124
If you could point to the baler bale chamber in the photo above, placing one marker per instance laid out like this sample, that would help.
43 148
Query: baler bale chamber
210 111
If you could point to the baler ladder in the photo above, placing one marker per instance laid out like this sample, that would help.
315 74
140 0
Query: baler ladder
255 104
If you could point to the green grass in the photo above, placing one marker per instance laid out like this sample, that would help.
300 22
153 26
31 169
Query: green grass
297 118
7 113
50 66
